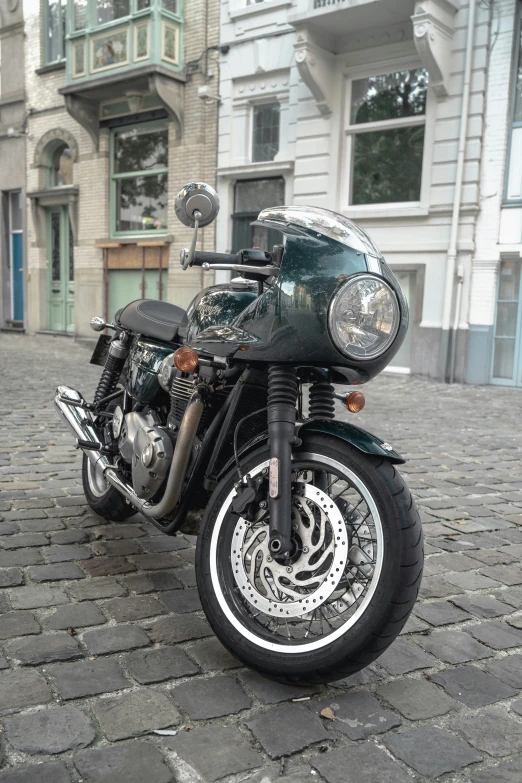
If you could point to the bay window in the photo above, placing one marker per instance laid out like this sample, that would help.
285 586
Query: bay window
385 135
139 178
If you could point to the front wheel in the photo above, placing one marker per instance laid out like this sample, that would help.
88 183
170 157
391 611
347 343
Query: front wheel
344 596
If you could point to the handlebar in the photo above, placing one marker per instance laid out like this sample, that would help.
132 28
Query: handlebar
201 257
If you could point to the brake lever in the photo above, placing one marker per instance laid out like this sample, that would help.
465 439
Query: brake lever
268 271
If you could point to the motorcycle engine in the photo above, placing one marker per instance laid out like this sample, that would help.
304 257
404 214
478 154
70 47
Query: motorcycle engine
146 447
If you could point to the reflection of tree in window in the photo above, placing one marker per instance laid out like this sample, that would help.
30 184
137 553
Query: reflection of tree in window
108 10
265 141
61 167
55 47
387 163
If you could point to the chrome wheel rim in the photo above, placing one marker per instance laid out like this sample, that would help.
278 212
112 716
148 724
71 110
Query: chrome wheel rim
300 606
97 482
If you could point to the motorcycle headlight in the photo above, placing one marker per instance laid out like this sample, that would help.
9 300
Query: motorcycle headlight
364 317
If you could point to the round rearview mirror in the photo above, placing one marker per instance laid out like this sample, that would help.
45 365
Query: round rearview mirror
196 201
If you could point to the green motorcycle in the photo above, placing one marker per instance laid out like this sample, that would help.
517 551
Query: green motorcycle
310 554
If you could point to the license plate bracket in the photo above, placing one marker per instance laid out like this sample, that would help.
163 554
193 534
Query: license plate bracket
101 350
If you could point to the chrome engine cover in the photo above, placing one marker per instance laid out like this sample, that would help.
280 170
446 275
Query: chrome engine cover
151 460
129 428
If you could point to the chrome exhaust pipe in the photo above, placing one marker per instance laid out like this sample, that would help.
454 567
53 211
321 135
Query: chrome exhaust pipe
69 402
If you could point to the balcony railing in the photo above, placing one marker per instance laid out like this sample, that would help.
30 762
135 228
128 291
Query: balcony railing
115 36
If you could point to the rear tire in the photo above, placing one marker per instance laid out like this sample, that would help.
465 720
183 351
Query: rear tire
362 633
101 496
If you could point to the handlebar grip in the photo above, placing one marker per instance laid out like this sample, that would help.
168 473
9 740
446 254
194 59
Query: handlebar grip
201 257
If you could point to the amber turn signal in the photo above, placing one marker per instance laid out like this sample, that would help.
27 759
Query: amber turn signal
186 359
355 401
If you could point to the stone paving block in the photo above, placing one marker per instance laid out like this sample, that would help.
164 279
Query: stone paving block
181 601
516 622
432 751
3 663
43 649
23 540
74 616
61 554
483 606
35 597
506 574
208 751
492 557
403 657
287 729
441 613
41 525
511 596
107 566
414 625
55 572
135 607
22 688
472 686
358 715
363 763
417 699
9 577
48 772
509 772
212 698
272 692
118 530
93 589
437 587
115 639
211 655
14 624
8 528
129 762
187 575
157 562
454 647
508 669
164 543
134 713
148 583
125 546
453 562
88 678
471 581
497 635
71 536
20 557
51 730
491 731
367 676
516 706
165 663
177 628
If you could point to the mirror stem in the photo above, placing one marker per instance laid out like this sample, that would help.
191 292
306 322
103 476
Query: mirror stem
187 256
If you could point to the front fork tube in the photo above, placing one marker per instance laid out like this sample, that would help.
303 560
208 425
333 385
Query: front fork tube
282 398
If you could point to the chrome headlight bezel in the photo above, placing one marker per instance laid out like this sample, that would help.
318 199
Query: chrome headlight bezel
352 352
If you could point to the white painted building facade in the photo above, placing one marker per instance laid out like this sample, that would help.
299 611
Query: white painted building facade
358 106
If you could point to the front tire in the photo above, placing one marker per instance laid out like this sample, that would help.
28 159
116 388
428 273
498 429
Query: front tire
344 598
101 496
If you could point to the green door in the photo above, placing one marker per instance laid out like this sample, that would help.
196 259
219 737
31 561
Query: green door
60 263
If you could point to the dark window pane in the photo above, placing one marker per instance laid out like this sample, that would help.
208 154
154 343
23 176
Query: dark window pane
54 31
265 145
140 149
504 362
142 4
61 167
16 210
506 319
170 5
71 253
387 166
255 195
80 14
392 95
141 203
518 86
55 245
108 10
509 282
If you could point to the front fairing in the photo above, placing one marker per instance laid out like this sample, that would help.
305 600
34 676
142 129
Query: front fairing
288 322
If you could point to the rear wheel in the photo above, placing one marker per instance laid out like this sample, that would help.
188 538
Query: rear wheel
351 585
101 496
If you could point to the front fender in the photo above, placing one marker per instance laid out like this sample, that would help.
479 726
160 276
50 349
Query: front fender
354 436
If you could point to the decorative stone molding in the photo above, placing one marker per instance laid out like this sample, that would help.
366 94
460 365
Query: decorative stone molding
85 112
52 197
56 134
171 94
433 27
315 66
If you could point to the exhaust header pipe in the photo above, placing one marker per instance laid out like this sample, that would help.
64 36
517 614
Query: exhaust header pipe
70 404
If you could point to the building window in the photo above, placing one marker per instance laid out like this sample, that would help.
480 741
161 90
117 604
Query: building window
386 131
139 178
513 191
250 197
54 30
60 167
506 353
109 10
265 132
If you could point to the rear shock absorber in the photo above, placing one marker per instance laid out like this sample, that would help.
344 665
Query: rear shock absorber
118 352
282 398
321 400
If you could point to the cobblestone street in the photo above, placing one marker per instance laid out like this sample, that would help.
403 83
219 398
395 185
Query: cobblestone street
104 641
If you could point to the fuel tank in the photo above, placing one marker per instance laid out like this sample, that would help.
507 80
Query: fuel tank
217 308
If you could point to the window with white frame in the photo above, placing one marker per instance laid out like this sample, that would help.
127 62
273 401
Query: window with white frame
265 131
513 190
385 130
53 29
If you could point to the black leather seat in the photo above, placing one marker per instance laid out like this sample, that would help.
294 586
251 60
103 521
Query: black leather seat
152 318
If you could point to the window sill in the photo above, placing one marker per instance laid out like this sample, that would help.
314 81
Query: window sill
50 67
380 211
142 240
250 10
271 167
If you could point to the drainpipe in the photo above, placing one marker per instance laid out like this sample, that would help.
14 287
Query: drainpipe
451 257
